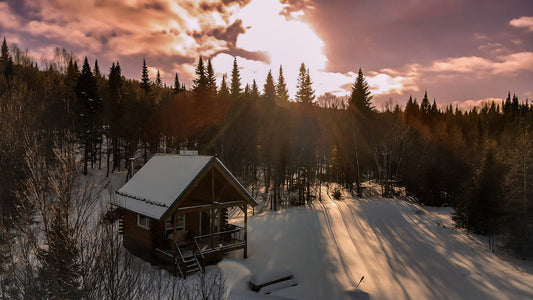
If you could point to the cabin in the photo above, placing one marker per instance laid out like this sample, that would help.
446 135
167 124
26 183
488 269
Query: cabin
174 212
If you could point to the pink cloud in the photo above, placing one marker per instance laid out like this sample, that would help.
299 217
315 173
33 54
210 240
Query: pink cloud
526 22
504 64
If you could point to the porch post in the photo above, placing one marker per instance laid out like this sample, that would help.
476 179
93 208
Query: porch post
212 217
245 231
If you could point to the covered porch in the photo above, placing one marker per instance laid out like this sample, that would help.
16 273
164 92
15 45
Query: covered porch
199 236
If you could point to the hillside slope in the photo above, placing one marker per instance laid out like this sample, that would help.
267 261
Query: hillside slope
404 251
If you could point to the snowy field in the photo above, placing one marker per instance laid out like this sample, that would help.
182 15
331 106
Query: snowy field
403 250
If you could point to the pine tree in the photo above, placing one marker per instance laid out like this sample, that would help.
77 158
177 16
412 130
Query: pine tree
200 83
177 87
235 80
88 106
72 75
6 62
255 91
115 80
247 92
96 69
425 107
282 92
269 89
360 99
211 79
224 91
485 206
60 272
86 87
145 79
158 81
305 93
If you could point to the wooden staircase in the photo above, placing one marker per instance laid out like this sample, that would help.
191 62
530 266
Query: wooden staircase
190 264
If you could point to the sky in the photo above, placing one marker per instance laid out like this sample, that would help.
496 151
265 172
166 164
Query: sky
461 51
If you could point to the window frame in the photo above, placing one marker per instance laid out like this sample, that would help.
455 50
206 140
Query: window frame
145 224
170 223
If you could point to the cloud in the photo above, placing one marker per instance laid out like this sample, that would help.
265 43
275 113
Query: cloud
526 22
129 27
504 64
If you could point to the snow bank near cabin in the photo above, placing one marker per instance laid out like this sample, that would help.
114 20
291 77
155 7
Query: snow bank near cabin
405 251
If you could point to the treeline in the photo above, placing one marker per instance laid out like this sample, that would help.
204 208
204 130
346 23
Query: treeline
478 161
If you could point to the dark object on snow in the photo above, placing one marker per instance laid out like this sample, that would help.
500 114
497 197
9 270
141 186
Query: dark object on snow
272 280
358 294
363 277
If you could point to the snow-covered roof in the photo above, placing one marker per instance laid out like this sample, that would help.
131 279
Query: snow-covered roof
163 180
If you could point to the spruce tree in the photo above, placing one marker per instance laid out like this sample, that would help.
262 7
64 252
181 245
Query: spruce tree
86 87
425 107
177 87
269 89
6 62
255 91
88 106
145 79
247 92
282 92
96 69
115 80
360 99
235 80
224 91
211 79
72 75
200 83
305 93
158 81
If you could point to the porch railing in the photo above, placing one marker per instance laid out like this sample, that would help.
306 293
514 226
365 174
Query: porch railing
231 238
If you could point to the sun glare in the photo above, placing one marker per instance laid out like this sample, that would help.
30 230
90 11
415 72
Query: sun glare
288 42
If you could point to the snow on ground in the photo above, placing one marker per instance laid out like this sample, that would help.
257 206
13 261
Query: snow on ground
403 250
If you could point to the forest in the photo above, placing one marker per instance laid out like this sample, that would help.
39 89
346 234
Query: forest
57 119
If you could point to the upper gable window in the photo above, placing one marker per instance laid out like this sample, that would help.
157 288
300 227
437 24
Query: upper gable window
143 221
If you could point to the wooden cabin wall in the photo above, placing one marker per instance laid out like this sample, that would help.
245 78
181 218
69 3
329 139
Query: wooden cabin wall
138 240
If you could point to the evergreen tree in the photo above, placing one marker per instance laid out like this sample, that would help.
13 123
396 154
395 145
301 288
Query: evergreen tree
269 89
72 75
235 80
158 81
305 93
86 87
177 87
60 272
224 91
88 106
255 91
247 92
282 92
145 79
6 62
200 83
211 79
96 69
360 99
425 107
115 80
485 204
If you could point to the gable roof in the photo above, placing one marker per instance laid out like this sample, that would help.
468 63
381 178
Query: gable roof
164 179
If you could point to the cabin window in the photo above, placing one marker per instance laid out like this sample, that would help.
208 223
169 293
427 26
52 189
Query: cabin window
180 223
143 221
